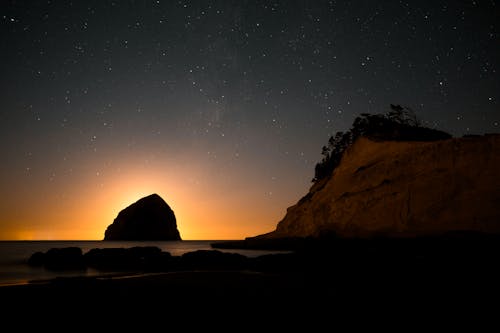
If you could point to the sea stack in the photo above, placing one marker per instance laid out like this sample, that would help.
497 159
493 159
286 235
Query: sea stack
150 218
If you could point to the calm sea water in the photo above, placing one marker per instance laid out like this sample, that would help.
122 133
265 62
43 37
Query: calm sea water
14 256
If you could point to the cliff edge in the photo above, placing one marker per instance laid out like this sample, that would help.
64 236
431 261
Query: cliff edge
401 188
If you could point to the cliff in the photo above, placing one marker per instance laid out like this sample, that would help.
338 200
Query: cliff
150 218
394 188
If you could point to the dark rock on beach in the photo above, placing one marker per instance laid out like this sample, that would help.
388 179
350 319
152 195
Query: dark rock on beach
36 259
67 258
135 258
139 259
150 218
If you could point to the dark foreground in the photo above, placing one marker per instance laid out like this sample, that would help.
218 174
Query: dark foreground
382 284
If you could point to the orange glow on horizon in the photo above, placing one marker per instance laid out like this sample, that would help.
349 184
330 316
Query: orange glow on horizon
204 209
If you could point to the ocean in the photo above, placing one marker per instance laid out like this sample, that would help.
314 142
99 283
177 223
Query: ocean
14 255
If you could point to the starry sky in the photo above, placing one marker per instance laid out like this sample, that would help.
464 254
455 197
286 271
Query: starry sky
220 107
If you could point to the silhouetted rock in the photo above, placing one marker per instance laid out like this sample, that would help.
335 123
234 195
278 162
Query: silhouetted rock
66 258
150 218
136 258
402 188
36 259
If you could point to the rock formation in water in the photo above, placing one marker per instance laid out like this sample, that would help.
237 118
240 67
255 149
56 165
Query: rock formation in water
150 218
401 188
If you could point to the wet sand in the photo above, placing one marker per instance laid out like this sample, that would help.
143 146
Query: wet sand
285 299
210 299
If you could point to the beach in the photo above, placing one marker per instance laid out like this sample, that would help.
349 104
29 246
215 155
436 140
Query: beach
242 300
355 283
208 299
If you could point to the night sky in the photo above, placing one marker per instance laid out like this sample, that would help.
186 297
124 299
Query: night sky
220 107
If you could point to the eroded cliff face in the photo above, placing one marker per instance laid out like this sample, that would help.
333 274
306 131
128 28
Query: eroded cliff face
403 189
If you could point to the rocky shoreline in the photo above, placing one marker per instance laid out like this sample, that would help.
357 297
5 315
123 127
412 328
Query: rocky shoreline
302 254
314 284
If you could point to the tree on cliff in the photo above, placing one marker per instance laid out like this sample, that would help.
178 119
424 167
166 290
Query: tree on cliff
398 124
